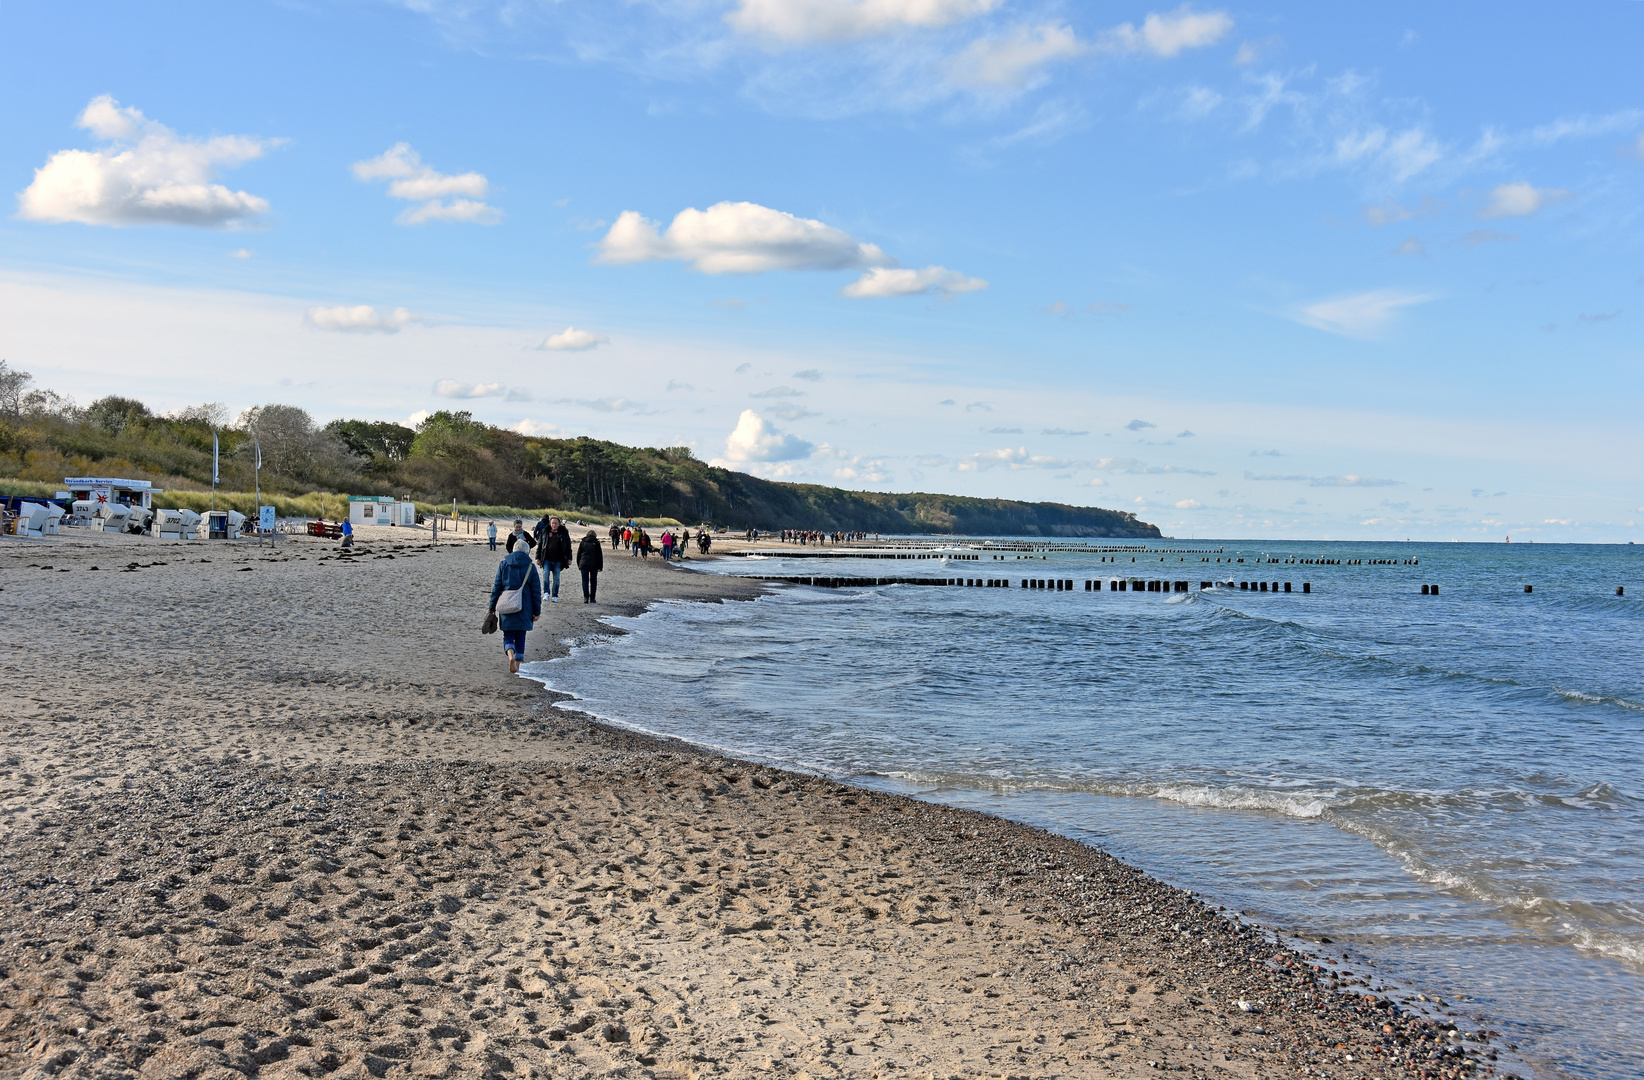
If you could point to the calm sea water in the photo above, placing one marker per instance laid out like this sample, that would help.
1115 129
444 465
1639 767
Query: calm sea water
1450 787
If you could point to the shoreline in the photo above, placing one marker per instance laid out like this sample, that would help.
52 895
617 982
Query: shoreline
289 823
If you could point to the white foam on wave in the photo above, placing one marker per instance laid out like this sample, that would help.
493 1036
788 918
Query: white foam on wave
1292 805
1625 947
1598 699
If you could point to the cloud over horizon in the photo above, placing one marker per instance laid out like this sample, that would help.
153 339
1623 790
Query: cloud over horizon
416 182
756 440
895 281
360 319
573 340
450 388
148 175
746 238
1362 315
737 238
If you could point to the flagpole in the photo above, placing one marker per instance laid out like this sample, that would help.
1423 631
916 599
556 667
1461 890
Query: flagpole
214 470
257 483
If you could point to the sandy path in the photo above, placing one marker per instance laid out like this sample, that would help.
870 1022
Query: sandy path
271 815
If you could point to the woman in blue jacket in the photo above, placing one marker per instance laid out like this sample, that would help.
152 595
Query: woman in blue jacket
517 570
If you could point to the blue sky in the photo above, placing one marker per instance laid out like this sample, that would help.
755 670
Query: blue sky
1342 271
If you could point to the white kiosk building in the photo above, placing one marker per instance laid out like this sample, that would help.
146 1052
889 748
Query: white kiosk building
380 510
106 490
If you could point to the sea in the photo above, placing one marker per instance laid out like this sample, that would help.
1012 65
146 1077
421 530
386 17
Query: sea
1448 785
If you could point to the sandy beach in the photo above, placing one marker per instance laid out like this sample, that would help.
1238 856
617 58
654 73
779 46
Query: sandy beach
279 813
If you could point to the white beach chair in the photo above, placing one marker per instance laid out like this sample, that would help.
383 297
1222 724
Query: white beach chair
83 513
168 523
190 524
116 517
140 519
236 524
31 519
54 518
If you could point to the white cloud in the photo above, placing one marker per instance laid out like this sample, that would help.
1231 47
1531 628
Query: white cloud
415 182
573 340
608 405
1015 59
1520 200
464 210
1134 467
149 176
756 440
362 319
537 430
1391 212
1403 153
416 418
240 253
778 392
1347 480
452 389
987 459
809 375
1188 504
1167 35
1139 425
1018 458
1362 315
863 470
890 281
746 238
795 22
738 238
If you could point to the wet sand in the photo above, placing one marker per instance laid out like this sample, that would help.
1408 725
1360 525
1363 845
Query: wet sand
284 813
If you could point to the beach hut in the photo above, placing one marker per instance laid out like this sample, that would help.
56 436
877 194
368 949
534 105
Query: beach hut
371 510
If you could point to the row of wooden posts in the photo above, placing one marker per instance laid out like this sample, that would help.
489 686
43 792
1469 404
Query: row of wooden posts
1069 584
1049 584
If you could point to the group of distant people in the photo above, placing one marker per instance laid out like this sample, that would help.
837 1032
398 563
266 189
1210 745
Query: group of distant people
530 569
669 545
803 536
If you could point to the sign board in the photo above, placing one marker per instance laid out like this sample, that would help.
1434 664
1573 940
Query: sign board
265 519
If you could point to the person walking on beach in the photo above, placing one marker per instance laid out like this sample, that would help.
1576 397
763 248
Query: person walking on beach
554 553
590 560
491 535
517 577
347 535
616 535
667 545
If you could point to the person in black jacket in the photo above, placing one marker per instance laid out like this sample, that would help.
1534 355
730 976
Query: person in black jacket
590 560
554 553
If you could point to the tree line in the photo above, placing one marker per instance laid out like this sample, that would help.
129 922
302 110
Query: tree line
449 455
